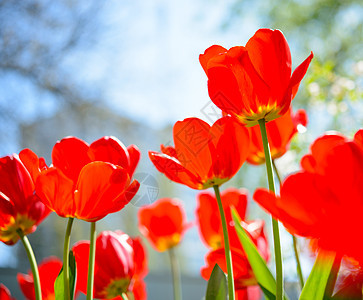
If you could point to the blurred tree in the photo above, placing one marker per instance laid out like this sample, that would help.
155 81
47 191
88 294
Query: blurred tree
37 40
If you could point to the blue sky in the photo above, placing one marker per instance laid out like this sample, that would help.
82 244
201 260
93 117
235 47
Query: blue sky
148 63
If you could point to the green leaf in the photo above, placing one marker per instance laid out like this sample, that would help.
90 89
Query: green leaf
59 282
262 273
217 285
318 279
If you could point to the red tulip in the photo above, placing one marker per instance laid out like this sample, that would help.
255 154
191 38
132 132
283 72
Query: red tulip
120 266
48 272
204 155
89 181
209 220
242 272
255 81
244 278
324 201
5 293
20 208
163 223
279 132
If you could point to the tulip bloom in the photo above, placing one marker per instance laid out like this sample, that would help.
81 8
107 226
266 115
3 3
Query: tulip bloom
324 201
5 293
209 220
204 155
89 181
210 229
253 82
163 223
20 208
244 279
279 132
120 266
48 273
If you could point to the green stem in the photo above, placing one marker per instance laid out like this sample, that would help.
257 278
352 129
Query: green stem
124 296
298 264
67 238
226 245
33 264
176 274
275 224
91 262
294 239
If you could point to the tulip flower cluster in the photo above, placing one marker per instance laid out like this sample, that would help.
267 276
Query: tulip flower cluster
253 85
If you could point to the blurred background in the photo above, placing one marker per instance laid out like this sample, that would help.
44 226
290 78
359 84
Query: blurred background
130 69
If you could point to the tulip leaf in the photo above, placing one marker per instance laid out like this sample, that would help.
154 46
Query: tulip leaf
59 282
263 275
318 279
217 285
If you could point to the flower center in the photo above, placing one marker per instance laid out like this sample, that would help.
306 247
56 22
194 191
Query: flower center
214 181
8 232
267 112
165 243
117 288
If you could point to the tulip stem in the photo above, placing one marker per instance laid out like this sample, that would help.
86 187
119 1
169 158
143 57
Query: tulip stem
275 224
67 238
91 262
227 250
294 239
33 264
176 274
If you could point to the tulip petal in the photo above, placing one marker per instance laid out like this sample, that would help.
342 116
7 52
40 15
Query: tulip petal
169 150
134 154
358 138
268 201
270 55
139 289
210 53
140 258
300 118
7 212
298 74
49 269
5 293
81 254
174 170
110 149
113 247
16 183
163 223
234 85
344 171
125 197
32 163
56 192
191 139
316 161
98 186
70 156
38 211
301 205
242 272
232 142
48 272
208 219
